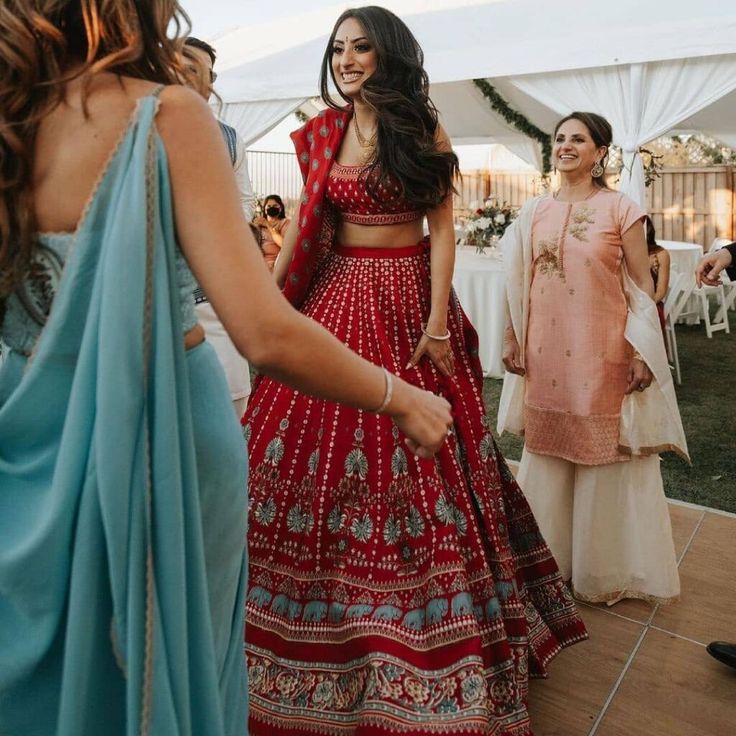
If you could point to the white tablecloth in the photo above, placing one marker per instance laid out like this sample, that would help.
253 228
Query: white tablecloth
684 257
479 284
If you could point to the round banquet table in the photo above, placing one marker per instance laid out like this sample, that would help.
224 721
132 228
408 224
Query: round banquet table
479 284
684 258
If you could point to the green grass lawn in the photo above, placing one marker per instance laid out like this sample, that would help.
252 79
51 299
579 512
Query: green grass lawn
707 400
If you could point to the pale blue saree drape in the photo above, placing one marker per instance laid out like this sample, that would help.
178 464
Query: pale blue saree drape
122 491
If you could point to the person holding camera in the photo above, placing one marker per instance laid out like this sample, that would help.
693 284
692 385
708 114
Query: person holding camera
272 224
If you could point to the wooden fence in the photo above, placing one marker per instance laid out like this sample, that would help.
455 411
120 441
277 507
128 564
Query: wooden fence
694 205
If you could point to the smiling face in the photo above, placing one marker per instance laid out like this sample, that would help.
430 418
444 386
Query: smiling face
574 150
353 58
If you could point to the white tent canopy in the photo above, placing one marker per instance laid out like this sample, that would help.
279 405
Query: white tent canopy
648 67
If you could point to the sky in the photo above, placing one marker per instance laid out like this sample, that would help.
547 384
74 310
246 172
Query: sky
210 17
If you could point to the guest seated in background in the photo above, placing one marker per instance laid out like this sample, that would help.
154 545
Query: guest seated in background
659 267
272 226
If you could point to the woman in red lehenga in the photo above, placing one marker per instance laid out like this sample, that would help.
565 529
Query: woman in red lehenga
388 594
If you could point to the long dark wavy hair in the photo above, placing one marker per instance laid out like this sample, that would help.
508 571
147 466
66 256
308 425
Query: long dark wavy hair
600 131
398 92
44 44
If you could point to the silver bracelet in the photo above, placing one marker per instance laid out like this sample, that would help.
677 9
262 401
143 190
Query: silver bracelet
441 338
388 395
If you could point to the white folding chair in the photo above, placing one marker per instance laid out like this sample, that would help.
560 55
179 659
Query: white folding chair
720 319
674 303
729 285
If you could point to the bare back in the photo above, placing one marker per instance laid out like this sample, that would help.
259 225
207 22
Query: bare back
72 149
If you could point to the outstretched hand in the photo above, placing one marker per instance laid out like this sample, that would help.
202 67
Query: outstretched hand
709 269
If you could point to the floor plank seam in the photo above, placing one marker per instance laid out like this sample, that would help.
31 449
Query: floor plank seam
618 682
609 610
692 537
676 635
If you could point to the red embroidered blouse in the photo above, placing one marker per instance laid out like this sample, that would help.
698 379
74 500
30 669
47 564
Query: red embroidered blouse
346 190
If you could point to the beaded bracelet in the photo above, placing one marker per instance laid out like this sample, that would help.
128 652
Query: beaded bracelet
388 395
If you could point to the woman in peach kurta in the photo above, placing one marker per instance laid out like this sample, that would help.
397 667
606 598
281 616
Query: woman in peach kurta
578 361
589 387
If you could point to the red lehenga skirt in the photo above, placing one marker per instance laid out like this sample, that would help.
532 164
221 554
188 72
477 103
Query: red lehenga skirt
389 594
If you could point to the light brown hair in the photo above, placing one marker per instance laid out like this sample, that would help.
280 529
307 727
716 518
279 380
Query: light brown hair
44 44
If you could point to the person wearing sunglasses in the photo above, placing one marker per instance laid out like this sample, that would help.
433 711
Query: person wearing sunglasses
273 226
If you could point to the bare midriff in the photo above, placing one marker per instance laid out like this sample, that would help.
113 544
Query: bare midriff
379 236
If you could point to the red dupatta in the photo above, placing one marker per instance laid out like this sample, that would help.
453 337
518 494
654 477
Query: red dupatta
317 143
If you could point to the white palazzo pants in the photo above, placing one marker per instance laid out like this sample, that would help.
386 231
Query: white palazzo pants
608 526
233 363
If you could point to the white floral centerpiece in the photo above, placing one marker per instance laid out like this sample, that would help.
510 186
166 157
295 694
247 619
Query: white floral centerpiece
487 224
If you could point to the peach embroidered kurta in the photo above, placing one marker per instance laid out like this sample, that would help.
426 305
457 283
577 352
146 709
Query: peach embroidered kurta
577 358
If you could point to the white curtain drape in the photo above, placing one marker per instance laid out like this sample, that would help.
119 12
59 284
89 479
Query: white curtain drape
253 120
641 101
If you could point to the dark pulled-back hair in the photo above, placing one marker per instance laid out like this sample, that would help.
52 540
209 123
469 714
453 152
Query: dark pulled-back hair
406 151
600 131
275 198
198 43
44 44
651 234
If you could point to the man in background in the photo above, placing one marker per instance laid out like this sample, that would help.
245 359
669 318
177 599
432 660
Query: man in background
199 60
709 273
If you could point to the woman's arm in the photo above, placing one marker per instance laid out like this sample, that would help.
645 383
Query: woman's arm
442 264
283 260
511 351
263 326
637 263
637 258
663 277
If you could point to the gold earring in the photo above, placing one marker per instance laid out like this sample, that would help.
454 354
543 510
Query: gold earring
597 171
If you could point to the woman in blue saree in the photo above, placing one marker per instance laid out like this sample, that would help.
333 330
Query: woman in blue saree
122 466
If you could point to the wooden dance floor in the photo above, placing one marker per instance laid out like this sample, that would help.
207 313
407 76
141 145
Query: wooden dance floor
645 670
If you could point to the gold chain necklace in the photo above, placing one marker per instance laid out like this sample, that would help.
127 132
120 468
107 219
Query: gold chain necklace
362 141
575 201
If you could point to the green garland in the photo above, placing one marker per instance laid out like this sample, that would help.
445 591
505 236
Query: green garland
519 121
302 117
